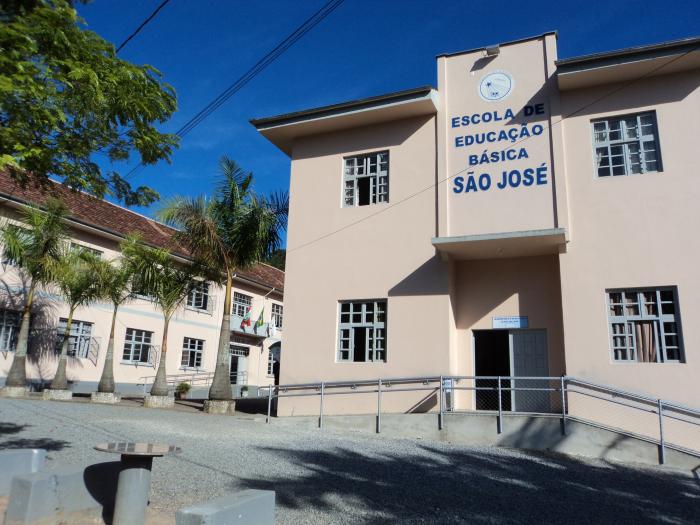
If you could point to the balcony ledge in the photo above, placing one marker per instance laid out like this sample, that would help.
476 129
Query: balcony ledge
502 245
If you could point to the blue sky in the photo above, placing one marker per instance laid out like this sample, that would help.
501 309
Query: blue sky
364 48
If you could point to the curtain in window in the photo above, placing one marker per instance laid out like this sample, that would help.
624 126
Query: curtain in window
646 341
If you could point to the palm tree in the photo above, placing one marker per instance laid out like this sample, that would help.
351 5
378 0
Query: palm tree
115 282
158 275
75 277
35 247
231 231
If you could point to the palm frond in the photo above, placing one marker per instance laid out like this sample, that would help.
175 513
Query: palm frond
75 275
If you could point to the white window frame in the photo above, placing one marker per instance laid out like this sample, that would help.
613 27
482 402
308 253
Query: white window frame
626 145
10 321
357 314
198 297
240 351
136 340
277 315
79 339
270 363
241 304
192 347
656 305
373 166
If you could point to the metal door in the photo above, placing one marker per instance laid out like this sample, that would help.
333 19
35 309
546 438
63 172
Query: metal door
529 359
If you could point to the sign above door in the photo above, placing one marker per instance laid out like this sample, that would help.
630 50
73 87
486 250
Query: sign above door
509 321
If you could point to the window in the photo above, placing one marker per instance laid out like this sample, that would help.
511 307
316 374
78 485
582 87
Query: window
366 179
198 298
241 304
9 328
192 350
74 246
645 325
626 145
277 315
362 335
139 289
79 340
137 346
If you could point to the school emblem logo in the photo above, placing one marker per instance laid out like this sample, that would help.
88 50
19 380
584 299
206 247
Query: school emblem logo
495 86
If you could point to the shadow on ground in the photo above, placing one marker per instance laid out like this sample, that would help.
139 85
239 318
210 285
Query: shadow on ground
480 487
13 428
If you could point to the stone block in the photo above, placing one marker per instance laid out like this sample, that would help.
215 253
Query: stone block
74 495
57 395
219 407
14 391
107 398
248 507
18 462
158 401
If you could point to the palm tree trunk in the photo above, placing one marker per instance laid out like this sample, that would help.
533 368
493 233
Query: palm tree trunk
60 381
106 383
160 384
220 389
17 376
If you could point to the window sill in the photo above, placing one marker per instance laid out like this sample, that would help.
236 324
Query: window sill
198 310
646 363
135 363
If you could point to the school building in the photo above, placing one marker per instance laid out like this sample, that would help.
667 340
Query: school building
99 226
530 216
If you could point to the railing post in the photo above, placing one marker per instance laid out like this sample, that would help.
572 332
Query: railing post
662 449
320 415
379 406
442 403
500 407
269 403
563 405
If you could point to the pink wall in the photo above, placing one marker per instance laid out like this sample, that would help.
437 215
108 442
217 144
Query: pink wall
633 231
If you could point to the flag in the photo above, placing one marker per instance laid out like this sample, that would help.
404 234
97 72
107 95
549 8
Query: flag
259 322
246 319
272 328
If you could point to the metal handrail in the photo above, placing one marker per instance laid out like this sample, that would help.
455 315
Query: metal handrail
449 383
194 377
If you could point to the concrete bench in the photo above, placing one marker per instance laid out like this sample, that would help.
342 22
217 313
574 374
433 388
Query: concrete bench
248 507
77 495
16 462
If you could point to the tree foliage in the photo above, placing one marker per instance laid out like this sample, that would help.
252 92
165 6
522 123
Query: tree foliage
65 96
158 275
75 278
234 229
36 246
277 259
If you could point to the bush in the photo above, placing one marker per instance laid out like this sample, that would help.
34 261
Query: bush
182 388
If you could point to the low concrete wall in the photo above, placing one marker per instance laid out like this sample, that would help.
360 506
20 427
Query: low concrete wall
533 432
19 462
254 507
76 495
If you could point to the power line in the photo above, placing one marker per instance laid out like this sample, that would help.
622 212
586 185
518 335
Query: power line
449 177
252 72
143 24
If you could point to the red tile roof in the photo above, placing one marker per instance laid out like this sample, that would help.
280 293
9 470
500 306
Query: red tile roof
114 219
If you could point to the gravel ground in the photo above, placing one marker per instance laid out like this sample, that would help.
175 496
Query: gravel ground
328 478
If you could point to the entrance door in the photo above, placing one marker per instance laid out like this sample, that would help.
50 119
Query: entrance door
238 372
529 359
491 359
